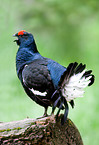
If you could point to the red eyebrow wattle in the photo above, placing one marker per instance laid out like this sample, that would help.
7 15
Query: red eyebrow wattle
21 32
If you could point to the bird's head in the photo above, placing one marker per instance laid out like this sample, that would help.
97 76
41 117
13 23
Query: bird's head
23 38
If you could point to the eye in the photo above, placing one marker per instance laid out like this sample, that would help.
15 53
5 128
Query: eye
26 37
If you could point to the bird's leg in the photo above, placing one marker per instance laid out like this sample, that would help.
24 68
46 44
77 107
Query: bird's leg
45 112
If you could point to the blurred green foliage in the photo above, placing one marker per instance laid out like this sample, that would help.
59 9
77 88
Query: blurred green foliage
65 31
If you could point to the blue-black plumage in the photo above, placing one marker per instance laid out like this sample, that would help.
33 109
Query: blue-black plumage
47 82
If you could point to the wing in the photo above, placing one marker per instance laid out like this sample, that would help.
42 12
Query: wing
37 79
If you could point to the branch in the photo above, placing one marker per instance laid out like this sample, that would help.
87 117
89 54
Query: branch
42 131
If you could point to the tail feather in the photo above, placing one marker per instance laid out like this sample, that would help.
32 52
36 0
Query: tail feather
74 80
72 103
91 80
64 118
71 86
80 68
87 73
60 108
55 104
68 73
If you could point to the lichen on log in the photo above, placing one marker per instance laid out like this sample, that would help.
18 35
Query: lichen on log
44 131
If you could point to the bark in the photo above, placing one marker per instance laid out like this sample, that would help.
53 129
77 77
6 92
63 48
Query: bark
44 131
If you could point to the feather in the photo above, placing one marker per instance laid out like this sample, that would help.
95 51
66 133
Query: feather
64 118
74 80
72 103
60 107
36 92
55 104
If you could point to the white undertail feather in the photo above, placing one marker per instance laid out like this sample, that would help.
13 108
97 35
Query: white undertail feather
74 88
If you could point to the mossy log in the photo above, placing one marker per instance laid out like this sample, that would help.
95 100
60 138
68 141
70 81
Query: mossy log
44 131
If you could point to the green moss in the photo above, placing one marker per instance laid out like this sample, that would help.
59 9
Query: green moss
18 128
70 122
33 123
8 129
3 130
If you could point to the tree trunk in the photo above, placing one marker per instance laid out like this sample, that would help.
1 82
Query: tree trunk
44 131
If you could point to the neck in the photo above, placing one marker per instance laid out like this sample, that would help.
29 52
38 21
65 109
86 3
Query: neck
30 46
26 55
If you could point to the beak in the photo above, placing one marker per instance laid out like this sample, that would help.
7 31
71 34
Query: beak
15 35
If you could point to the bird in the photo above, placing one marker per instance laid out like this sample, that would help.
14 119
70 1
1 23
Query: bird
47 82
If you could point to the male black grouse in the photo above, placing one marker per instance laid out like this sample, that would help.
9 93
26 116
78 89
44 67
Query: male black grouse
47 82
